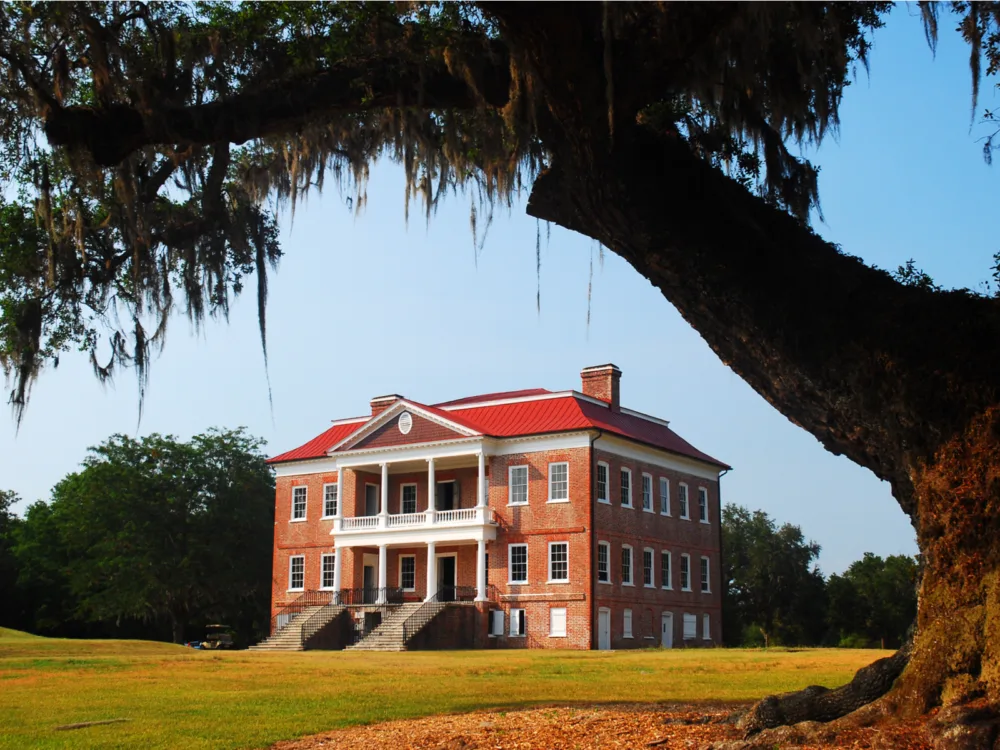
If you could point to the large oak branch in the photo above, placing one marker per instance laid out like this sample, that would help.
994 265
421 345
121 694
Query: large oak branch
877 371
113 132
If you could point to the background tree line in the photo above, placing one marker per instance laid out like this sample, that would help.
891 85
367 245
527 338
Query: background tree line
154 538
151 538
774 593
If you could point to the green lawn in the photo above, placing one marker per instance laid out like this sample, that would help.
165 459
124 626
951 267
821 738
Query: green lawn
176 697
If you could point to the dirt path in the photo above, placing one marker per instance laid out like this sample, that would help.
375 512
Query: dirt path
608 726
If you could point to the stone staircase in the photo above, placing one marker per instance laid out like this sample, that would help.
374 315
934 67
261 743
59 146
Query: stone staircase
389 636
295 635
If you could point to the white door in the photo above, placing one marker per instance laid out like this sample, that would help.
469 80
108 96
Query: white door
604 629
667 630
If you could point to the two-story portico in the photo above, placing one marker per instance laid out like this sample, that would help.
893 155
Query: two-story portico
495 501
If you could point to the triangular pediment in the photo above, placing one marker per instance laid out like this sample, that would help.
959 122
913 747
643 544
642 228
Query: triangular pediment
403 423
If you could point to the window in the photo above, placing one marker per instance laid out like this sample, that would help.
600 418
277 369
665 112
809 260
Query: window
626 565
328 563
647 567
329 500
666 574
496 622
705 589
690 627
408 499
685 572
296 573
408 572
518 485
626 488
602 483
603 562
627 623
559 483
558 562
518 626
557 622
664 496
299 503
647 493
682 500
518 563
703 505
706 628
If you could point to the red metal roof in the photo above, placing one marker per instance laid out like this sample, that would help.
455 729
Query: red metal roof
534 417
495 396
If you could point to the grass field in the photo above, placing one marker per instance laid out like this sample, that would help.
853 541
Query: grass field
179 698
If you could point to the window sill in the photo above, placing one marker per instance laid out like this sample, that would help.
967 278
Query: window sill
409 591
603 502
685 518
516 505
515 636
604 583
648 638
553 635
705 591
559 581
550 501
517 583
684 589
629 506
627 636
705 522
665 515
648 510
294 591
649 585
667 588
627 583
297 520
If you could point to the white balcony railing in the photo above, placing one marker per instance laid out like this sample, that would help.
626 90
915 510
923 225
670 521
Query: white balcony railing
450 516
411 520
360 522
407 519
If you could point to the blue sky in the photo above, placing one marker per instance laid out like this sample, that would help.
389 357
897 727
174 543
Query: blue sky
365 305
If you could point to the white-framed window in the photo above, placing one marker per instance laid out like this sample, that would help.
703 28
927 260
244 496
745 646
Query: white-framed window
664 496
682 500
328 564
626 565
517 559
647 493
666 572
703 505
706 628
603 562
496 622
517 485
602 483
705 580
329 500
685 572
626 487
558 562
627 623
557 622
647 567
408 572
559 482
408 498
299 503
296 573
690 627
518 623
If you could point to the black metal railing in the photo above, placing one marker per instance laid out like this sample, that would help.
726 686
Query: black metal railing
369 596
430 608
303 601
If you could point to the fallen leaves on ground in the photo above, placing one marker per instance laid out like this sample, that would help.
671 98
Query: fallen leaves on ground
582 728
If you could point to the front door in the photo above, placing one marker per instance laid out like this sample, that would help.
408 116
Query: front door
604 629
446 496
446 579
371 499
368 595
667 630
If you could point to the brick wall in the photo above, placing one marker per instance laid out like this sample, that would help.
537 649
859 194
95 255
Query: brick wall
619 526
538 524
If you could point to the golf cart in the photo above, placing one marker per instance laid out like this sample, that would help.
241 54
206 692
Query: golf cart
218 637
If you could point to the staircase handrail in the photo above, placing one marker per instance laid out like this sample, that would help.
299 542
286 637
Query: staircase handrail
312 624
303 601
423 615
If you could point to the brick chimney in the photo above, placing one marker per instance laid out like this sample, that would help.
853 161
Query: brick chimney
381 403
602 382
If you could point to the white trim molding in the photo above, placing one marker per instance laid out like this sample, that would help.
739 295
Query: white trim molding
633 451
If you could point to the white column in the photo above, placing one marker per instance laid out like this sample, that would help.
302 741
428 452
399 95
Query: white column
338 567
431 488
338 517
481 571
383 511
382 567
481 494
432 576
